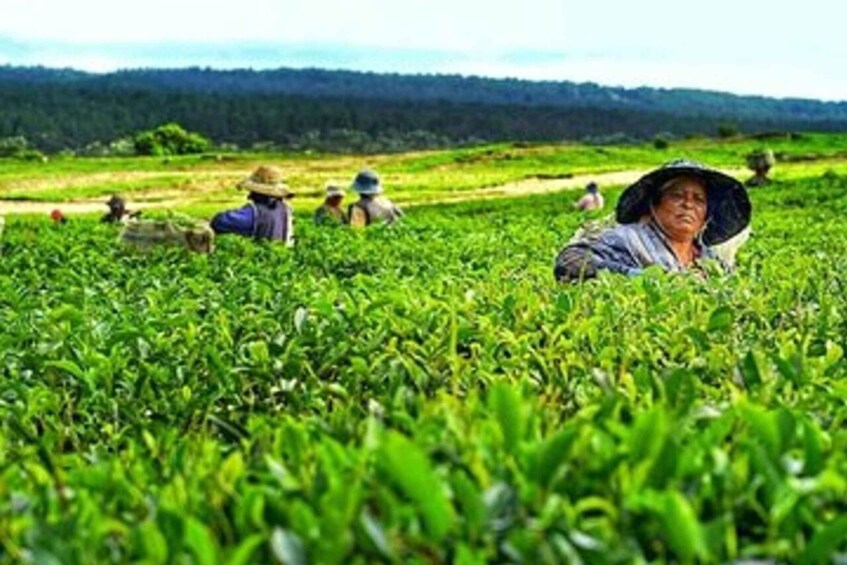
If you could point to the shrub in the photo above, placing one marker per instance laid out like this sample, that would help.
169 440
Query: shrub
18 147
169 139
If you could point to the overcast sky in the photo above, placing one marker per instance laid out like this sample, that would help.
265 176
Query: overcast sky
750 47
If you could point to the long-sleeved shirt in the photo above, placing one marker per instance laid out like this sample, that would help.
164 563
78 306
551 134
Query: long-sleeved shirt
370 210
590 201
330 215
627 249
258 221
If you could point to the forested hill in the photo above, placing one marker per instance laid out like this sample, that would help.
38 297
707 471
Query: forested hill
66 108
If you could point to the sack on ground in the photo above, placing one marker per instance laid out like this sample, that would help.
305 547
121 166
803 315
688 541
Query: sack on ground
191 234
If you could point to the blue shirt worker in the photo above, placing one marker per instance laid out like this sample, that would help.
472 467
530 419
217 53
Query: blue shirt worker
268 215
672 217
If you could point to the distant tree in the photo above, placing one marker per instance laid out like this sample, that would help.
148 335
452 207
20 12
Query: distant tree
661 141
123 146
727 129
13 146
17 147
94 149
364 112
170 139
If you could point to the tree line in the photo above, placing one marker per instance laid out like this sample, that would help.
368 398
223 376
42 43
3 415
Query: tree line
57 110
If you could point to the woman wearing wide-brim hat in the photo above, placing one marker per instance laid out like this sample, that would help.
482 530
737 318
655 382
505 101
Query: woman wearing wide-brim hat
372 205
671 217
268 215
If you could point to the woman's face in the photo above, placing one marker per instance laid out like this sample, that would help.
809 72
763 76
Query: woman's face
682 208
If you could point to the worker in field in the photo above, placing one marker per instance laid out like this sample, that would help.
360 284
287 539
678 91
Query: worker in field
267 215
591 200
118 212
331 212
671 217
372 206
760 162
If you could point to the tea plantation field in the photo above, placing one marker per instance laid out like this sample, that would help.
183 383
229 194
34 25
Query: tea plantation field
425 393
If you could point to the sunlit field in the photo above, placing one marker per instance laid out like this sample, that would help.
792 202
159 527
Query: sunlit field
423 392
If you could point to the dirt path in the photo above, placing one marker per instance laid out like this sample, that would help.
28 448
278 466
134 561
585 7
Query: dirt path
531 186
519 188
55 181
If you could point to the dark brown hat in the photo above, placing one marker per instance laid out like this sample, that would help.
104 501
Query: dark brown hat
728 207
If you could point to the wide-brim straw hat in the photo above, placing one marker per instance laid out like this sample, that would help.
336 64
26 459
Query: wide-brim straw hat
728 208
266 180
367 183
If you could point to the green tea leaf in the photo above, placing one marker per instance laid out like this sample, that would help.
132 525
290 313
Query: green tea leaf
825 542
683 530
409 468
199 541
68 366
750 371
552 453
720 319
154 544
765 428
648 434
812 447
506 403
243 554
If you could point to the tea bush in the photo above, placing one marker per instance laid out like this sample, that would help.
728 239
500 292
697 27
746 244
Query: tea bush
424 393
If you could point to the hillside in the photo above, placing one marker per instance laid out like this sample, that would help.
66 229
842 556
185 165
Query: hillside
357 111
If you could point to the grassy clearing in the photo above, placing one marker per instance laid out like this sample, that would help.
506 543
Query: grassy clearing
410 177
